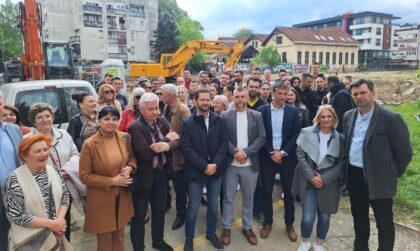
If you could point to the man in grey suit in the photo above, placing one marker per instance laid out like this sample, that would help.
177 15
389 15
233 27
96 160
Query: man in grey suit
378 150
10 137
246 136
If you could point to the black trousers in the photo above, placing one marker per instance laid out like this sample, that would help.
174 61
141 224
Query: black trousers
180 187
382 209
268 174
68 222
157 196
4 228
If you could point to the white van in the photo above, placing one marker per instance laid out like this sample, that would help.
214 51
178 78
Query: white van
56 93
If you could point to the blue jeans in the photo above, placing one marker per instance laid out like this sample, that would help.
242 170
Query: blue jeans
195 191
309 212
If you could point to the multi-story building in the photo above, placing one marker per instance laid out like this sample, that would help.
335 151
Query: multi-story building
408 44
120 29
335 49
373 30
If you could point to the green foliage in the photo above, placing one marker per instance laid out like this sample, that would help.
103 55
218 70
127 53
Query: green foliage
243 33
170 7
10 34
407 201
164 35
268 56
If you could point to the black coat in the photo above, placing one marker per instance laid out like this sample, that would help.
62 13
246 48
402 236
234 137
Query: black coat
342 102
201 148
75 131
308 98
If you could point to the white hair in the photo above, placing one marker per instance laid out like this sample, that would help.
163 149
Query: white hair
138 91
182 87
1 94
148 97
170 88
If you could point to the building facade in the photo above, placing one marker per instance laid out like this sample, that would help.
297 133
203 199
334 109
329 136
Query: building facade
374 32
120 29
256 41
335 49
408 44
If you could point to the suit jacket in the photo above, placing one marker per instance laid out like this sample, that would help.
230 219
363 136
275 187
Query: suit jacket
141 135
290 132
256 136
386 150
96 174
201 146
179 113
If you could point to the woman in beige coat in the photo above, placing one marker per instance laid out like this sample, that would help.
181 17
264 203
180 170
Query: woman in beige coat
106 165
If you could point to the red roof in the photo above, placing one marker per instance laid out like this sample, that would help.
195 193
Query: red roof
308 36
261 37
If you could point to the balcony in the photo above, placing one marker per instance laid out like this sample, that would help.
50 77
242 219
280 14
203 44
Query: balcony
93 24
407 40
92 9
115 11
136 14
112 26
119 41
118 55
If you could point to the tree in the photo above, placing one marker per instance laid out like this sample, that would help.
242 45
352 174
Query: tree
165 36
268 56
243 33
10 34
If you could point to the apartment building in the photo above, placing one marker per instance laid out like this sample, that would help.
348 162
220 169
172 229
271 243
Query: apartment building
408 45
120 29
374 32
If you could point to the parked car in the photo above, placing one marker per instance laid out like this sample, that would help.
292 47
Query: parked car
56 93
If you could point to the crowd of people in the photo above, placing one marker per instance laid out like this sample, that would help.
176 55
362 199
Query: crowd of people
211 137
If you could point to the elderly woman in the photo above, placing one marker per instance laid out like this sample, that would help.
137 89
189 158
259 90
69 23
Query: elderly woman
36 199
220 104
63 153
11 115
132 112
107 97
106 164
84 124
317 177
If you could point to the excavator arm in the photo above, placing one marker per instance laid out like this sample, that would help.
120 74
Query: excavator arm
171 64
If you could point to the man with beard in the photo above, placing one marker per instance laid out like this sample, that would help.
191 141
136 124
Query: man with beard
321 89
307 95
204 80
224 80
340 99
238 78
253 86
205 147
256 73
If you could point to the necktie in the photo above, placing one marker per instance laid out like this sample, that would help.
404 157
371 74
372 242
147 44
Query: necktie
156 135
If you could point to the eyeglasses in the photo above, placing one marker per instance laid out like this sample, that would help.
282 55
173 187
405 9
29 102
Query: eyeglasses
137 97
109 91
158 93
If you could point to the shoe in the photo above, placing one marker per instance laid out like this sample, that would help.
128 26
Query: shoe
162 246
291 233
178 223
265 231
250 236
214 240
204 201
304 246
225 236
188 246
319 248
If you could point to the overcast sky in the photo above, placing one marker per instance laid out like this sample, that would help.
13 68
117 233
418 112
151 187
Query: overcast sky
225 17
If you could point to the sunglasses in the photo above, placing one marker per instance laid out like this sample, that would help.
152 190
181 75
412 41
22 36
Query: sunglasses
158 93
137 97
109 91
148 87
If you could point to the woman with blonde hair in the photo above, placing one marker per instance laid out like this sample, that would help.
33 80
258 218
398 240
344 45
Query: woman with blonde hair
132 112
220 104
317 177
107 97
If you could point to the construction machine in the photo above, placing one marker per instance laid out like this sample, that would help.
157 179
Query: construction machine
172 64
48 60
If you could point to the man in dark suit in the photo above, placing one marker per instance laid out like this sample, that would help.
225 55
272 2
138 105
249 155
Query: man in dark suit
152 145
204 146
378 151
282 127
246 135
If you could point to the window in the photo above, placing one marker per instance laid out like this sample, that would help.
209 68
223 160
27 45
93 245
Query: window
378 31
92 20
321 58
359 20
299 57
256 44
327 58
284 57
368 41
306 57
378 42
340 58
136 10
359 32
133 36
279 40
314 56
334 58
374 20
346 58
352 58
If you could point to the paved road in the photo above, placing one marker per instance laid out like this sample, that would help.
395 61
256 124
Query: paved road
340 236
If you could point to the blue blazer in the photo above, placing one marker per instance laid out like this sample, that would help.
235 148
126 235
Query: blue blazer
290 132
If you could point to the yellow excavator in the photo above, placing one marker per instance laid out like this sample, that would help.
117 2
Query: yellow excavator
172 64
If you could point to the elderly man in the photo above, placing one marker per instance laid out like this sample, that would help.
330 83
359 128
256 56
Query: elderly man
10 137
153 143
175 112
180 81
378 150
246 135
